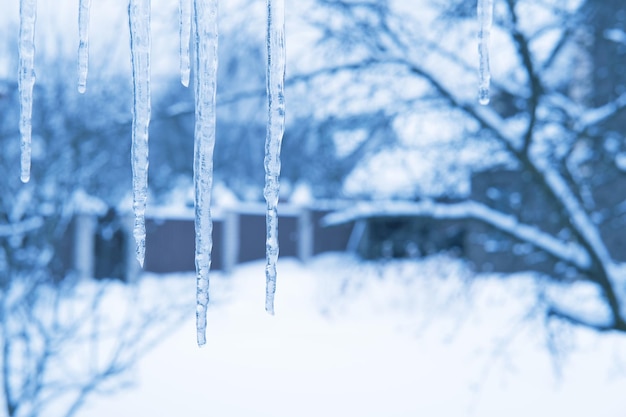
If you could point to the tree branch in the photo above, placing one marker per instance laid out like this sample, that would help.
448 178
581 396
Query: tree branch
555 312
536 89
568 252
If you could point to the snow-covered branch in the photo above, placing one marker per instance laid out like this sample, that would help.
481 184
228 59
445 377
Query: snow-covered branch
600 114
513 141
586 118
569 252
578 217
578 320
21 228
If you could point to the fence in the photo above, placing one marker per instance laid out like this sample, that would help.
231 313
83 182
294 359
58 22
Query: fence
103 246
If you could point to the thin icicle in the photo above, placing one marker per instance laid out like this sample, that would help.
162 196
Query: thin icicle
275 43
26 81
83 44
139 19
205 73
485 20
185 33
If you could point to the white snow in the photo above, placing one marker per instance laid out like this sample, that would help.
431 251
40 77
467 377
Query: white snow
616 35
302 195
578 216
18 229
620 161
355 339
594 116
139 21
84 203
276 62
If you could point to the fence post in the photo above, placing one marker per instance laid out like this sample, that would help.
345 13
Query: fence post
356 236
84 244
305 235
230 241
133 269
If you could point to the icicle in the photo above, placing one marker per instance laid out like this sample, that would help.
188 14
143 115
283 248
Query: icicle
205 73
139 19
83 44
185 33
26 81
485 20
275 43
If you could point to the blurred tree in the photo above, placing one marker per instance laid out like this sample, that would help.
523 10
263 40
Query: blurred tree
241 115
552 123
63 339
382 87
312 137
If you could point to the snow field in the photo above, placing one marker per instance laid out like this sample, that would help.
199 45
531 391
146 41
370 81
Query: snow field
351 338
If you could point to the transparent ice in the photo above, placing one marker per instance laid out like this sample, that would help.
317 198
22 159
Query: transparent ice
139 20
185 34
205 73
83 44
485 20
275 43
26 81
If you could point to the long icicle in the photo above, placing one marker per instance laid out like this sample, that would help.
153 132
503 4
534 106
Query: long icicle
139 19
185 34
26 81
484 12
276 62
83 44
205 76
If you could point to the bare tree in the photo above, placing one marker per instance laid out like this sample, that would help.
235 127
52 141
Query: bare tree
554 131
63 339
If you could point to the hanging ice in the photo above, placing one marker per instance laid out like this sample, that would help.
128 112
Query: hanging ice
205 73
275 43
26 81
485 19
83 44
185 33
139 20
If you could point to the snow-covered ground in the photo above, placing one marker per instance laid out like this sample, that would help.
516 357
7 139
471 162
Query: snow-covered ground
362 339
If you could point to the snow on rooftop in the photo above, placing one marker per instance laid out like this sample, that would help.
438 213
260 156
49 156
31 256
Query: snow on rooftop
87 204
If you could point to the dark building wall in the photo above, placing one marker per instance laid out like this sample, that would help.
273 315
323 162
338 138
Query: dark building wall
513 192
170 245
252 236
411 237
329 239
608 55
63 261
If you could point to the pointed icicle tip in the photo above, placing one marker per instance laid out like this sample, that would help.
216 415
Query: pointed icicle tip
185 18
483 96
201 324
140 248
484 14
83 44
201 339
